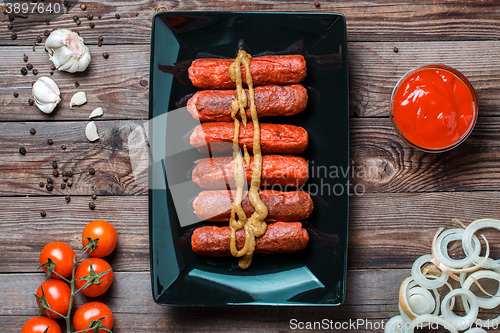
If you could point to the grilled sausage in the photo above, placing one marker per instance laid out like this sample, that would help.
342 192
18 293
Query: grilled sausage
274 138
215 206
215 105
280 237
281 170
210 73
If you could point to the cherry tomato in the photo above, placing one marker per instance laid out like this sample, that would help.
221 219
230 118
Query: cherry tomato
40 324
58 294
62 255
99 265
92 311
106 234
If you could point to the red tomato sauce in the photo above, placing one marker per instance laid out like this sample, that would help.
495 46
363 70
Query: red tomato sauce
433 108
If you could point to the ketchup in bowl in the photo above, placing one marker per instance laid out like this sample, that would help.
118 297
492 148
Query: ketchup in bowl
433 108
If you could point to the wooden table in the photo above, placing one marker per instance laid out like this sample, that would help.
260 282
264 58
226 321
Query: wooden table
408 195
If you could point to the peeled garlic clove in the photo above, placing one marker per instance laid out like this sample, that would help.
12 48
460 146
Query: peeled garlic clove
46 94
91 132
78 99
96 113
67 51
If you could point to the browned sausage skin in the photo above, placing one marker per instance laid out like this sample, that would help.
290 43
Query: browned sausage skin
280 237
215 105
210 73
215 206
282 170
274 138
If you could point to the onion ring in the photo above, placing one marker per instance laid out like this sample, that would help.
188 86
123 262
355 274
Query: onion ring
461 323
429 319
397 324
484 302
440 248
420 278
467 240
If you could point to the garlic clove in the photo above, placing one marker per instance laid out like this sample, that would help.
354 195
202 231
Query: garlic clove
91 132
46 94
96 113
78 99
67 51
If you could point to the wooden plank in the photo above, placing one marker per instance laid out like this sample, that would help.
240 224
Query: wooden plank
374 70
25 232
109 157
376 20
113 84
386 230
371 300
382 162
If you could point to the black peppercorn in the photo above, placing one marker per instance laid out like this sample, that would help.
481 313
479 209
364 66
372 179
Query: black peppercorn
92 205
25 58
54 165
395 49
78 22
99 16
117 16
9 26
32 131
53 67
94 196
31 102
63 186
70 183
105 55
91 171
43 213
83 6
92 25
69 174
55 173
22 151
75 18
50 187
47 22
50 181
16 94
39 39
143 83
317 4
13 35
46 33
90 16
50 142
41 184
35 72
24 71
67 198
100 38
29 66
99 43
63 147
65 178
51 73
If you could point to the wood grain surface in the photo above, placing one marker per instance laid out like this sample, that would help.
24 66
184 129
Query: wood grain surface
406 195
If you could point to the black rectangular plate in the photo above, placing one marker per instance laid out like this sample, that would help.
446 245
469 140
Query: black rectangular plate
315 276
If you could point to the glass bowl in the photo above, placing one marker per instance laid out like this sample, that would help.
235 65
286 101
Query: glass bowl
457 75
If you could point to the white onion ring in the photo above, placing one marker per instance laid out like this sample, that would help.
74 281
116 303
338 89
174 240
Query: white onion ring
461 323
397 324
476 330
421 301
484 302
405 307
463 276
440 248
433 319
420 278
467 241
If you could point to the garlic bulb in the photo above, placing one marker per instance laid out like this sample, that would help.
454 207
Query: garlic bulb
46 94
91 132
78 99
67 51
